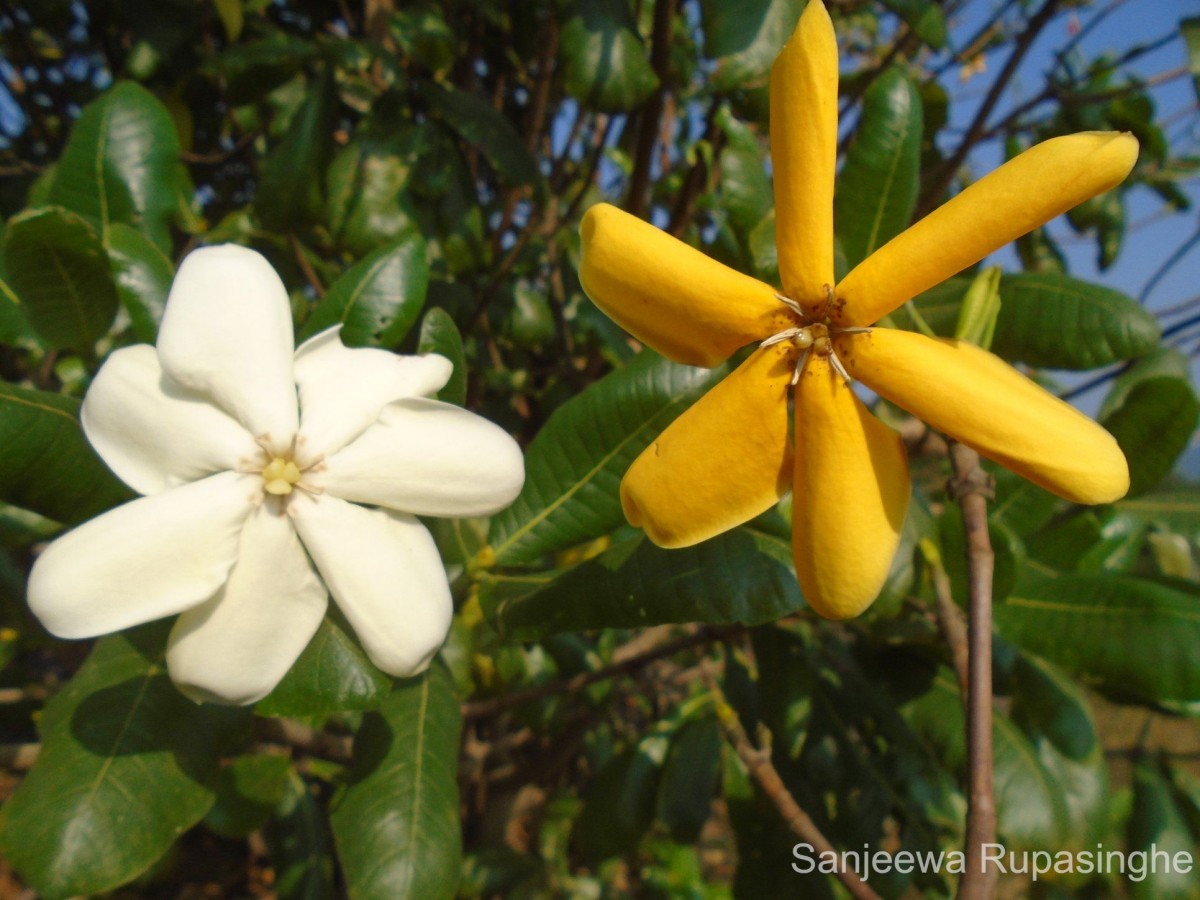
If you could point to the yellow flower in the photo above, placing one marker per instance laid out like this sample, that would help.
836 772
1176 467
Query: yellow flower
728 458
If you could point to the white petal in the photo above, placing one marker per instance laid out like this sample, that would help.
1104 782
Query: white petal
384 571
227 332
150 558
237 646
153 433
429 458
343 389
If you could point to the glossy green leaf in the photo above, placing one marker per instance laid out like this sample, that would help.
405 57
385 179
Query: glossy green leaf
250 71
396 824
232 17
125 769
530 320
1091 540
1157 824
1059 322
741 576
379 298
690 777
331 675
15 329
480 125
367 202
46 463
924 18
440 335
1104 215
121 164
877 187
745 184
1154 425
603 58
301 845
1177 509
289 186
1165 362
619 804
744 38
143 276
1134 638
248 791
1190 29
56 265
575 464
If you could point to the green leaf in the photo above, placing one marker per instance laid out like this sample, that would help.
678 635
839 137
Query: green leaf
1156 823
924 18
396 825
603 58
478 123
252 70
1177 509
1132 637
289 186
744 38
1062 323
331 675
1165 362
379 298
440 335
15 329
878 184
143 276
745 185
124 770
619 805
56 264
121 164
46 463
690 777
248 791
232 17
1154 425
575 464
740 576
1190 29
367 200
301 846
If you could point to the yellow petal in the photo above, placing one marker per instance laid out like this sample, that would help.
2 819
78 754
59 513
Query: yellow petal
850 495
721 463
804 87
1028 191
685 305
982 401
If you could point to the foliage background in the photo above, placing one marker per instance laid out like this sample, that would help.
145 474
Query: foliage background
417 171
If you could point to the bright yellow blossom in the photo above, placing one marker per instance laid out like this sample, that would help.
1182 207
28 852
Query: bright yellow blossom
729 457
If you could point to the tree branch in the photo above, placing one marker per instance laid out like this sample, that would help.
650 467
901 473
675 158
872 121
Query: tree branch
973 487
660 61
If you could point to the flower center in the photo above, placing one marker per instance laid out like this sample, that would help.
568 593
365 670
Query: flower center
280 476
813 336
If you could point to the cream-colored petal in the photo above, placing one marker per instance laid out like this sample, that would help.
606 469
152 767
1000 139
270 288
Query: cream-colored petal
978 399
721 463
343 389
227 333
156 434
670 296
236 647
148 559
1030 190
849 498
385 573
804 122
430 459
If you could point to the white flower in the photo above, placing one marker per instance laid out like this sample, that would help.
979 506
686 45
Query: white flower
252 458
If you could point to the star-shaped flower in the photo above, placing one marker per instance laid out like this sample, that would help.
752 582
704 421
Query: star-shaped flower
728 458
254 458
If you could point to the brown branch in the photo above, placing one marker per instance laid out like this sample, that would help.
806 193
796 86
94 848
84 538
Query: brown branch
945 173
973 486
758 762
19 757
307 741
697 175
310 274
648 124
567 686
950 617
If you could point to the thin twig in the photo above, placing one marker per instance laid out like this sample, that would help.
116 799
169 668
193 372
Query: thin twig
973 486
950 617
758 762
567 686
648 125
19 757
308 741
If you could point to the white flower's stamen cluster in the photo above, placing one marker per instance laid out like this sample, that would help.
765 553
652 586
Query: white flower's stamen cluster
814 336
280 472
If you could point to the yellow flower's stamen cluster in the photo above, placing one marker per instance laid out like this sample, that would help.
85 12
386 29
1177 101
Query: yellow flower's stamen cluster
280 472
813 336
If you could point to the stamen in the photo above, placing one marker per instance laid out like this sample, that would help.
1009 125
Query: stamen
782 336
793 306
800 366
841 370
